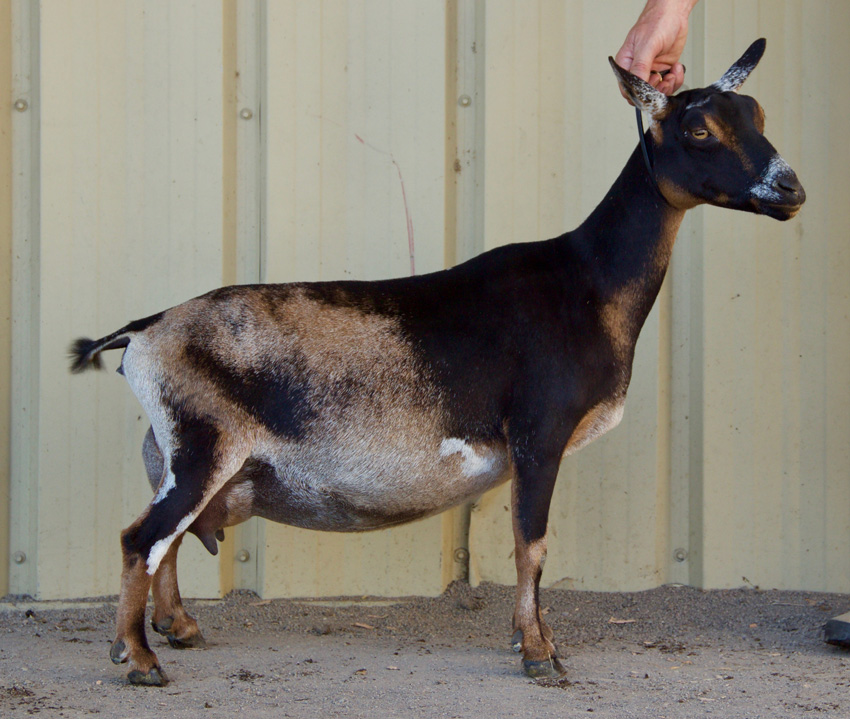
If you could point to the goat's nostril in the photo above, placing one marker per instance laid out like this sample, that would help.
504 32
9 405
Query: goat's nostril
789 184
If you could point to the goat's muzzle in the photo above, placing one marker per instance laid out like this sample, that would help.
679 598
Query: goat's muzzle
782 196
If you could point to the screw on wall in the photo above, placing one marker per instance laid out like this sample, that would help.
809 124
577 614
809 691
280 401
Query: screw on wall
21 105
680 554
243 555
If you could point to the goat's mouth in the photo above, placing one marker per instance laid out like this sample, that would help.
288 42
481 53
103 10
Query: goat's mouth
783 204
778 210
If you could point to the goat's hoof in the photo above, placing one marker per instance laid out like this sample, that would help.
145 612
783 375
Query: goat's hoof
547 669
118 652
162 626
516 641
153 678
195 641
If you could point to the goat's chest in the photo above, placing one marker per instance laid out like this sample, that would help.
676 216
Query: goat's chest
601 418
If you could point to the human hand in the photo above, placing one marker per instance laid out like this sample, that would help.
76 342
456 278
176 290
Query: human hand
656 42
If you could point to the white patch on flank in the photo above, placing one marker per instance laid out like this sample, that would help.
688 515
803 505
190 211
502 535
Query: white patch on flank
763 189
474 464
161 547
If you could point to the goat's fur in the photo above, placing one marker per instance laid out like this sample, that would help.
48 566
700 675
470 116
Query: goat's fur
351 406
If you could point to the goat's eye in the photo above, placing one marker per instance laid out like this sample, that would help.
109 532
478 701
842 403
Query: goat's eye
699 133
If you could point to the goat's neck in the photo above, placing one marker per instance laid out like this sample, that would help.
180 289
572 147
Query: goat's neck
628 239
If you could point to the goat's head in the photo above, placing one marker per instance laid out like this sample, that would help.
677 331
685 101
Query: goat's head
709 145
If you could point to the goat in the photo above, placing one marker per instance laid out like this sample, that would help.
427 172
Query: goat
350 406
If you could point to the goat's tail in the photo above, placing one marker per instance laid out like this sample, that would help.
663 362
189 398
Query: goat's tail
85 353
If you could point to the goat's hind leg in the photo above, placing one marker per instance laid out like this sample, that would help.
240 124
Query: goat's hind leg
201 466
170 618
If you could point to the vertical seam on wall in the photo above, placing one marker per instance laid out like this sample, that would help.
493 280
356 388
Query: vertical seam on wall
6 302
25 299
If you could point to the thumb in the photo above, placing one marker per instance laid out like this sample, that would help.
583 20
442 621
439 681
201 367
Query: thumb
641 66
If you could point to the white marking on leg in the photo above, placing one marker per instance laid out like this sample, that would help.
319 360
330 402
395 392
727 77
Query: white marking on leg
159 549
473 464
168 483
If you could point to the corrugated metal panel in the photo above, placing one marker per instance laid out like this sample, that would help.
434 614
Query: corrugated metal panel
774 323
355 125
734 443
557 135
137 187
130 177
6 90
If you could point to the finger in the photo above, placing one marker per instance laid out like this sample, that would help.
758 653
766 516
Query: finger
676 77
625 55
642 69
673 80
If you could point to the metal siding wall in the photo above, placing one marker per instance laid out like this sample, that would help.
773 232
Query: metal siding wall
355 123
775 320
557 133
130 174
6 90
734 442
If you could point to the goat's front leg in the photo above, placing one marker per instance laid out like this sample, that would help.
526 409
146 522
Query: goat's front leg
534 481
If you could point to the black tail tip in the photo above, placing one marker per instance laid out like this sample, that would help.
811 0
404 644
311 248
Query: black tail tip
83 354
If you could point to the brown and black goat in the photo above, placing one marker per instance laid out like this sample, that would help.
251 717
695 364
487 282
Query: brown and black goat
349 406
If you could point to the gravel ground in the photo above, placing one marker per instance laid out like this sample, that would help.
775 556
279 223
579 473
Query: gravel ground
669 652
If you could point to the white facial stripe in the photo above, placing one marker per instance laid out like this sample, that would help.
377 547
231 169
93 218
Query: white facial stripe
699 103
161 547
473 463
763 189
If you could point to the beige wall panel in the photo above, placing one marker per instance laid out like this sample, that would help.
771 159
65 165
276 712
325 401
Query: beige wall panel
775 324
355 125
131 223
733 446
6 90
355 131
557 135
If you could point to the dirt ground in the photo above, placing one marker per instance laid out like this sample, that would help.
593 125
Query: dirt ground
669 652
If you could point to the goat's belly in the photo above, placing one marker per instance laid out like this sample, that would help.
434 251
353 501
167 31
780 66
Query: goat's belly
337 489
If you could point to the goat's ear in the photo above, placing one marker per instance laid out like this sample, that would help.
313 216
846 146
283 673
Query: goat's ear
644 96
734 77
